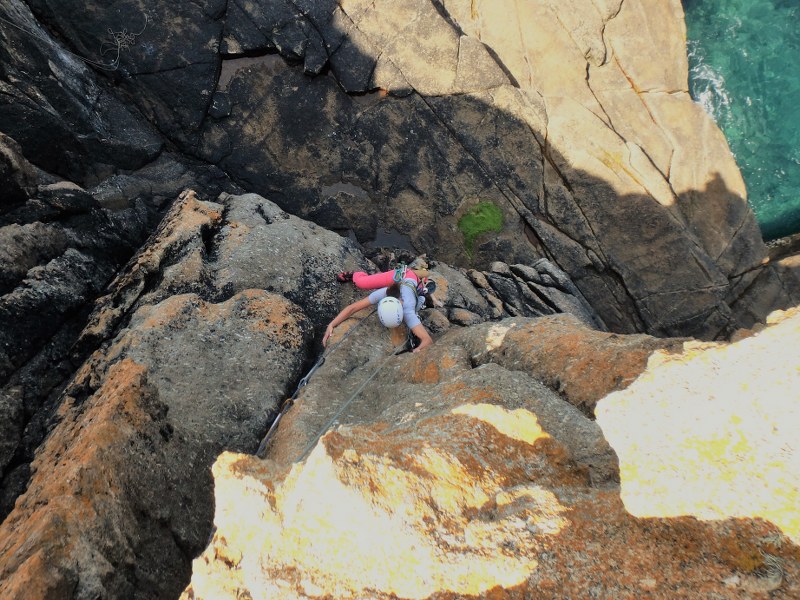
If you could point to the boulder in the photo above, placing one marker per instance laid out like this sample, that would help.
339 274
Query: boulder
455 472
131 503
181 365
58 250
711 431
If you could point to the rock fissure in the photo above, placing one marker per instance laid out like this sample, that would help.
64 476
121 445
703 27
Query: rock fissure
510 197
172 69
503 67
744 292
607 118
734 236
572 38
634 87
210 100
250 21
447 17
709 288
616 13
311 21
747 271
641 321
668 174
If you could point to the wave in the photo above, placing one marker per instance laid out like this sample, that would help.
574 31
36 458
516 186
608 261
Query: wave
707 85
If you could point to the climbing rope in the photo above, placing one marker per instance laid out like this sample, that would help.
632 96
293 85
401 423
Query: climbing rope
120 40
399 350
289 402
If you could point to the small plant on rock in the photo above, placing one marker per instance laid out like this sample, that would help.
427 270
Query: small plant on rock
484 217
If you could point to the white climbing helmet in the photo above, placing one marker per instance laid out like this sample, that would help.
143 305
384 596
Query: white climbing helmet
390 312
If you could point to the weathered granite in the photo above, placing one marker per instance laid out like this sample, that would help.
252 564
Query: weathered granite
59 246
212 322
711 432
608 175
592 151
620 204
457 474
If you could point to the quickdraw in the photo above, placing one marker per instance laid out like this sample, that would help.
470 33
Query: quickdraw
400 272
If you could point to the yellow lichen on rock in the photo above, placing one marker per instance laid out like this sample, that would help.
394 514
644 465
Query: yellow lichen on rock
414 519
328 516
713 433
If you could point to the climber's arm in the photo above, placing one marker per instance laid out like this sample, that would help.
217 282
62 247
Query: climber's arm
345 314
423 335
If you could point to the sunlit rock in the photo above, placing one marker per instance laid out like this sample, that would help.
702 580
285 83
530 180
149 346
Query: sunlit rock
712 432
444 478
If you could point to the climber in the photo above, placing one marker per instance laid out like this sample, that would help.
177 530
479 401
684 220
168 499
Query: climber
399 294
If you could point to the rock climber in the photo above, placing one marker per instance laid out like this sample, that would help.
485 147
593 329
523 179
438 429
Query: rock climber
399 294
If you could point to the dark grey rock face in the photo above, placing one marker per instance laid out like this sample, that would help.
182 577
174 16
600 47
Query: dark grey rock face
189 359
169 66
52 105
59 248
17 177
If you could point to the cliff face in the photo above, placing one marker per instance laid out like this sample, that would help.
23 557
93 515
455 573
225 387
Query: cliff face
143 331
573 120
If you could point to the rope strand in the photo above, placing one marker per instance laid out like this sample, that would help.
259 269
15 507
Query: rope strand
120 40
262 447
344 406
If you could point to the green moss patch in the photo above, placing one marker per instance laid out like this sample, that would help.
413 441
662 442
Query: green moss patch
482 218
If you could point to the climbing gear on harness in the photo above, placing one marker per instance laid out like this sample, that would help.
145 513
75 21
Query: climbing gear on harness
390 312
313 442
411 286
289 402
428 286
345 277
400 272
424 286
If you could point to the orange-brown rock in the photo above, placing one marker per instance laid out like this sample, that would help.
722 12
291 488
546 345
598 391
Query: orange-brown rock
120 499
94 480
476 481
582 364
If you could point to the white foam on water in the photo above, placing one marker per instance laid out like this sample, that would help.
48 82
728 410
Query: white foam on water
708 86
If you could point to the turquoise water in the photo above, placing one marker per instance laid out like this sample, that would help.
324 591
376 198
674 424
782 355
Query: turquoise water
744 57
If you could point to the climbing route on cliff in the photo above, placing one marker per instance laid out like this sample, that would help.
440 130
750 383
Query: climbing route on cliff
585 215
398 350
262 447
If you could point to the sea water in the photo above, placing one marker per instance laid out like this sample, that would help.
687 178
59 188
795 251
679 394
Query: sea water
744 60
